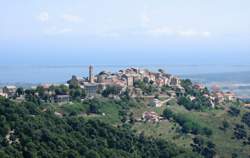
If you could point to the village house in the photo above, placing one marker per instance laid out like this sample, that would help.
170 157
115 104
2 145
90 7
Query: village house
180 91
218 97
155 103
129 80
171 93
58 114
174 81
46 86
151 117
229 96
103 76
216 88
62 98
9 90
91 89
150 75
191 97
120 83
160 81
3 94
136 92
75 80
199 86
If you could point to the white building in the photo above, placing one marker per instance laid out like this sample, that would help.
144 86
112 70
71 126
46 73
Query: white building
9 90
91 89
155 103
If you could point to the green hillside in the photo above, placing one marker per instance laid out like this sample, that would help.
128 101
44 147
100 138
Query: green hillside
220 121
29 130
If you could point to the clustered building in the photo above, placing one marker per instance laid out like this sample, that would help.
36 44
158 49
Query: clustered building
217 96
124 79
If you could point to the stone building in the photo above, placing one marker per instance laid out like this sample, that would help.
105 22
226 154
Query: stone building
155 103
129 79
91 89
62 98
9 90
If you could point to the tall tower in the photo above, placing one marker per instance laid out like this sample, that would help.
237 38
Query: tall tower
91 77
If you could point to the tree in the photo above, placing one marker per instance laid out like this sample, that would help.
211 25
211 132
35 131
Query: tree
20 91
111 89
186 84
161 71
93 109
77 93
146 80
61 90
71 154
92 154
233 111
240 132
246 119
167 113
42 134
3 154
205 148
225 125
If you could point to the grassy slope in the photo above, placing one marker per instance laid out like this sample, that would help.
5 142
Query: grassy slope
109 109
213 119
168 130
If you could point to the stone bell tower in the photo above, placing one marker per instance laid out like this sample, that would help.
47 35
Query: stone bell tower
91 77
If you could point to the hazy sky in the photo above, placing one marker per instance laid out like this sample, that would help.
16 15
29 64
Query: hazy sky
68 32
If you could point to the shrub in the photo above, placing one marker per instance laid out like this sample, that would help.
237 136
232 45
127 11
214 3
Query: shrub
246 119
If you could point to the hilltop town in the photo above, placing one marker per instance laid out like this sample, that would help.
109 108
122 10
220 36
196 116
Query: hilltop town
134 82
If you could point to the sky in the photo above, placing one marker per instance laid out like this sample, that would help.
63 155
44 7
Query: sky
124 32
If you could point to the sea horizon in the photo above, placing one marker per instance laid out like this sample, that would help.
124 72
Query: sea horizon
39 74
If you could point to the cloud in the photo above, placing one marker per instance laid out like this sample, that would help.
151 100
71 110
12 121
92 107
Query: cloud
160 31
187 33
193 33
150 29
206 34
57 31
65 30
166 31
43 16
108 34
146 19
71 18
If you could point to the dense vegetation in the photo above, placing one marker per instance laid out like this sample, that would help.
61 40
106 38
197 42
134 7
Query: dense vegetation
246 119
111 90
234 111
205 148
147 87
27 130
188 125
200 102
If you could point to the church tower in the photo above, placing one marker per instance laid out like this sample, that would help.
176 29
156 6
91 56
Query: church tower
91 77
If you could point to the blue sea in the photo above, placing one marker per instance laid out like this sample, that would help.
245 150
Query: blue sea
28 74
